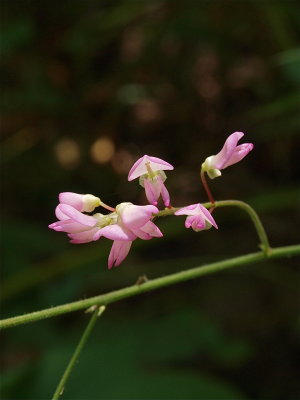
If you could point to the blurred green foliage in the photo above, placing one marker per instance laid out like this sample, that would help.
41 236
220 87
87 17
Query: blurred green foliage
169 78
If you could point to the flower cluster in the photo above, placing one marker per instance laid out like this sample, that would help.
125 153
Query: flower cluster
123 225
127 221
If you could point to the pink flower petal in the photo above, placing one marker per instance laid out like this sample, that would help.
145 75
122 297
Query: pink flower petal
55 226
152 229
189 221
136 216
229 146
239 153
164 193
115 232
197 222
188 210
72 199
118 253
141 234
151 192
208 216
60 215
68 226
148 231
83 237
76 215
160 164
139 167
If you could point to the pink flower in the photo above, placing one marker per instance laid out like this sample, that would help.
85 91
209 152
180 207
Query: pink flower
138 220
123 226
150 170
134 221
82 202
80 227
140 225
230 154
199 218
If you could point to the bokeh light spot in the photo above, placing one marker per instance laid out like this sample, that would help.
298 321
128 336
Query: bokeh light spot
67 153
102 150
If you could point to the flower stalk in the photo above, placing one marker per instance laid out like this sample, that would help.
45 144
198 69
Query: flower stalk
98 310
207 189
109 208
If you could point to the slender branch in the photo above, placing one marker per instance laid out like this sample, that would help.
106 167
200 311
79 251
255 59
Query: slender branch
151 285
62 383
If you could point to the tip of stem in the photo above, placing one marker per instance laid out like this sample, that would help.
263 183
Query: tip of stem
101 310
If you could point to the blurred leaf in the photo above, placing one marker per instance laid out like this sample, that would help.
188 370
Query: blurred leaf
15 35
289 61
148 356
276 200
277 108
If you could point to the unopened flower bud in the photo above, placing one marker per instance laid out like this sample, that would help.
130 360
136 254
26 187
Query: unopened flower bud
82 202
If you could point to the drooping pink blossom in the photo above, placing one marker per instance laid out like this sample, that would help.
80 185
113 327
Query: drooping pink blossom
150 170
231 153
137 221
198 217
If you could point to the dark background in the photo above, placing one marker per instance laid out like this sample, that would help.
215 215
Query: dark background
87 88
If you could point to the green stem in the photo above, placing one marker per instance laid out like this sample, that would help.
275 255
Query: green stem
151 285
60 388
264 242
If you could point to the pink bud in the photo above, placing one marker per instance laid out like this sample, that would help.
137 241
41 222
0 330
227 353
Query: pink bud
82 202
